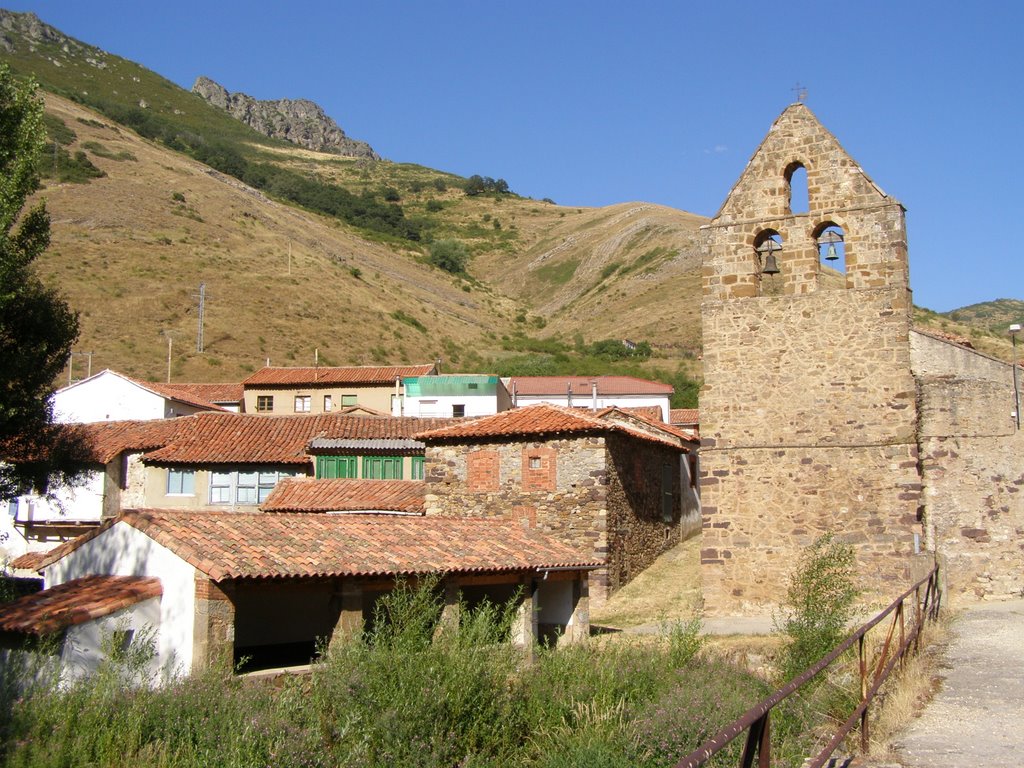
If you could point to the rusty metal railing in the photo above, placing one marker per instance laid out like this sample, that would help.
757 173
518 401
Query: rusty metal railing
756 720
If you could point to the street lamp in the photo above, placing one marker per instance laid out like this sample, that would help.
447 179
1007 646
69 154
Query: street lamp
1014 330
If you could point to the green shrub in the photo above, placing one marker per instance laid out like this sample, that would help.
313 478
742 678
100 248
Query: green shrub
434 205
819 603
449 255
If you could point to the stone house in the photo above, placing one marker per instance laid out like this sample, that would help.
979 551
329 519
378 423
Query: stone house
821 408
325 389
610 484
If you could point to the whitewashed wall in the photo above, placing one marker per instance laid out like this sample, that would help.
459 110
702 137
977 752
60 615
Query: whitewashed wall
122 550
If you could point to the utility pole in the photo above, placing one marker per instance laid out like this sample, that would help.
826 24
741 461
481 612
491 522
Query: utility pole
170 343
202 316
71 363
1014 330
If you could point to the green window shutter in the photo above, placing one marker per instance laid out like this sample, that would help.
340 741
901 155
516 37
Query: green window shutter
336 466
417 468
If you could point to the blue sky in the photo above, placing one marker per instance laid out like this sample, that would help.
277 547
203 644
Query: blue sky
593 103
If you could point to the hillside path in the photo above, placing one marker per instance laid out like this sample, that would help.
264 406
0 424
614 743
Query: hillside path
977 717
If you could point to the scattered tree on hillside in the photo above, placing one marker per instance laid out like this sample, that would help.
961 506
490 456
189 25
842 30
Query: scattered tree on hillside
37 328
477 185
449 255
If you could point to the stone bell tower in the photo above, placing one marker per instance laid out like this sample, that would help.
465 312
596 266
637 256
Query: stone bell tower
808 411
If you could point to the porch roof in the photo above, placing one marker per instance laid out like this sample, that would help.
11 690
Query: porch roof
233 545
75 602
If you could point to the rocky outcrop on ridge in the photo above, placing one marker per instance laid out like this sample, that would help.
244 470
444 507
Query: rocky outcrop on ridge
299 121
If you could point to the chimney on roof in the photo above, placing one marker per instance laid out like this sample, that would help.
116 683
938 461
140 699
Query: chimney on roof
593 390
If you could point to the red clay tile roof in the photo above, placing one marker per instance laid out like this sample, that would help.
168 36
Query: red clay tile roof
279 377
226 392
341 495
634 422
233 545
539 419
684 416
106 439
75 602
649 412
544 419
582 386
172 392
227 438
29 561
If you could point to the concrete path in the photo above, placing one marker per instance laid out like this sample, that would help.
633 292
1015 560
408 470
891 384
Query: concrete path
976 720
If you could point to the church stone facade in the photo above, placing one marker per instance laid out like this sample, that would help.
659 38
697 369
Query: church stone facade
809 405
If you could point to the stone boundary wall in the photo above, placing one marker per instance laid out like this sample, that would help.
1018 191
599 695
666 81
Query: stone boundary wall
971 456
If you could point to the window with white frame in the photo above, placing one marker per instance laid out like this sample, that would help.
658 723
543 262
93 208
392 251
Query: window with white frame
302 403
328 404
244 486
181 482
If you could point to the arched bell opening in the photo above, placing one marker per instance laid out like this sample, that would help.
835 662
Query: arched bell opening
830 240
767 252
796 188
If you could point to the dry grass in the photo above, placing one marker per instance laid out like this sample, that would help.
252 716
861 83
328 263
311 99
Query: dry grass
910 689
668 590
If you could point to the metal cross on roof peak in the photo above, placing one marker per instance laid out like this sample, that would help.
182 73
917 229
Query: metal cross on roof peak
800 91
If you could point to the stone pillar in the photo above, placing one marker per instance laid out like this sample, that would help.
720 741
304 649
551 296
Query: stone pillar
450 613
578 628
350 616
524 626
213 629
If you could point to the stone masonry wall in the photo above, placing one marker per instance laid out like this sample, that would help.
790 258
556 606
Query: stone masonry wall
973 473
638 531
762 507
809 406
574 510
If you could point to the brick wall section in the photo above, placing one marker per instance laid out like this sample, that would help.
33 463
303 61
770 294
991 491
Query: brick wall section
483 471
540 469
599 495
809 406
973 473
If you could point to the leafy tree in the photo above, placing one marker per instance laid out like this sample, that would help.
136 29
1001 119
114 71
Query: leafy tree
37 328
449 255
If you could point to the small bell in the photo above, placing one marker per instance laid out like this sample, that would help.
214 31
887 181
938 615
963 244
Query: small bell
771 267
831 254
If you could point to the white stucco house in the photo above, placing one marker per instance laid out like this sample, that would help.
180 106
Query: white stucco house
593 392
112 396
453 395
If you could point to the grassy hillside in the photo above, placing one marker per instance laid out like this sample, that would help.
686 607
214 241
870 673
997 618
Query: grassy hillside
153 191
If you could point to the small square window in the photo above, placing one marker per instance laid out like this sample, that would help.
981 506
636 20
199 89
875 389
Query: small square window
458 410
181 482
535 462
302 403
347 400
264 403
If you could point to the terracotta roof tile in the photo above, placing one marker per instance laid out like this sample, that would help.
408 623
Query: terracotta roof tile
225 438
342 495
582 386
106 439
540 419
226 392
29 561
684 416
75 602
277 377
226 545
544 419
171 392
